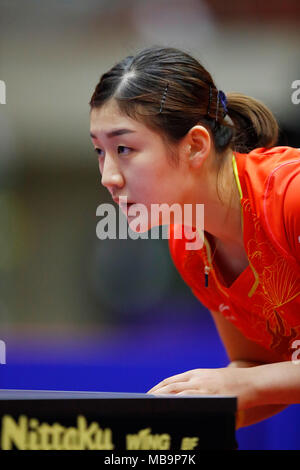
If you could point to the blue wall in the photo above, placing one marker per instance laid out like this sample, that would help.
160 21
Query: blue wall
133 358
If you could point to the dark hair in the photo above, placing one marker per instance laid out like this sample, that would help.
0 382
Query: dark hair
137 84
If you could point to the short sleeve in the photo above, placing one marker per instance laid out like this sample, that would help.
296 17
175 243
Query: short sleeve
291 216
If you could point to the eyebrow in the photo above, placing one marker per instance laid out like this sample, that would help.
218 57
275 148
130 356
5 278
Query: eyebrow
114 133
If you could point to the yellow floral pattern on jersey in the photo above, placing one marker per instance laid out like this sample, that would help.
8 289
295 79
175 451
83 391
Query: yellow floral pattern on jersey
279 284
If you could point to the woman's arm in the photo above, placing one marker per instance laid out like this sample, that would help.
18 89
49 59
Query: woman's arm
238 347
276 383
263 387
250 385
245 353
258 413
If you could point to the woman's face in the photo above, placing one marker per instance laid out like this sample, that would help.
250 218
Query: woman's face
133 161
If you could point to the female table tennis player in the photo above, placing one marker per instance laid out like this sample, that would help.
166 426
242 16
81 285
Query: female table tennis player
164 133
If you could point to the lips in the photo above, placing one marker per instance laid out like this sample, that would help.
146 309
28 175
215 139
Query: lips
123 203
126 204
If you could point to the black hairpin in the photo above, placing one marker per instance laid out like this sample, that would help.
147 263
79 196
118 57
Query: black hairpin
163 98
209 99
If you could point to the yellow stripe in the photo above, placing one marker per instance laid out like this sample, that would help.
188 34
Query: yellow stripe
236 174
235 171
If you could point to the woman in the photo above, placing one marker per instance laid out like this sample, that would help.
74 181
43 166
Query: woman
165 134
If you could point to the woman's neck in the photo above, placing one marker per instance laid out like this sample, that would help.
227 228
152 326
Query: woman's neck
223 218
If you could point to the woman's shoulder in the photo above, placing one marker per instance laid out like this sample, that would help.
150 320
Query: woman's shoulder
271 170
271 181
265 173
279 151
264 163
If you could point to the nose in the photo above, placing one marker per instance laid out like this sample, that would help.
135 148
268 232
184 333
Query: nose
111 174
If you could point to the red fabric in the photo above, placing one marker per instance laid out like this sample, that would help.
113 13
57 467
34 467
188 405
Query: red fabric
266 310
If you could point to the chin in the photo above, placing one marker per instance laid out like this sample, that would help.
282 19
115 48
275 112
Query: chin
140 228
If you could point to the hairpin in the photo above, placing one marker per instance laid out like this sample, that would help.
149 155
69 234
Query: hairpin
209 99
163 98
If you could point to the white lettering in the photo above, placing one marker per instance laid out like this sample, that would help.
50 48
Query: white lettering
2 352
2 92
140 221
296 94
296 354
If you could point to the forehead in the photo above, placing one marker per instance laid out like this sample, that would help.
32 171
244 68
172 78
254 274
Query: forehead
108 116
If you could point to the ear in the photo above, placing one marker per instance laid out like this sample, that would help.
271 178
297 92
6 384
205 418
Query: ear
197 145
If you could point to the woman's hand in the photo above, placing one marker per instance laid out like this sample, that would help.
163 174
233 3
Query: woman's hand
224 381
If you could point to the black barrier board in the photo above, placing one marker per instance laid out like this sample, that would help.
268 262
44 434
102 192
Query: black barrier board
54 420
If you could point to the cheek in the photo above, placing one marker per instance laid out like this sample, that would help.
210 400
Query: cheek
141 180
100 166
152 182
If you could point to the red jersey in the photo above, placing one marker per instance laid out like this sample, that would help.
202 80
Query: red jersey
264 301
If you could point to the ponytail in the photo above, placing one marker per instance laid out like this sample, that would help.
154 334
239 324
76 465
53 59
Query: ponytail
254 124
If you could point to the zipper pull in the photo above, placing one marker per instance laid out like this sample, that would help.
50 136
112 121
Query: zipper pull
206 273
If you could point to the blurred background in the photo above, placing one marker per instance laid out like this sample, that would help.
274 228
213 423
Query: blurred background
78 313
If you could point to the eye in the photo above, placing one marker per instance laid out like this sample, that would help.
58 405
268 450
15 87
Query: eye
123 147
98 151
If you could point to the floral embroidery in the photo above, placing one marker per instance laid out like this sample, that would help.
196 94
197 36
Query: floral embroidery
270 313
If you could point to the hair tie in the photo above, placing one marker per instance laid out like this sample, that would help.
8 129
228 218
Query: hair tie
223 101
220 97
